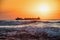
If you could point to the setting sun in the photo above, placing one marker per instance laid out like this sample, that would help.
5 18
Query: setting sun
44 8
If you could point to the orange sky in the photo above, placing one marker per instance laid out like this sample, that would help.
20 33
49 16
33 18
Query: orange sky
11 9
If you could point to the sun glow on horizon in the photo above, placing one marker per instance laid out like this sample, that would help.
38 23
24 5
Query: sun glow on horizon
45 9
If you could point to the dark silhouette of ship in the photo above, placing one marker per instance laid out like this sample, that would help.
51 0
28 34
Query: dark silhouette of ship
38 18
19 18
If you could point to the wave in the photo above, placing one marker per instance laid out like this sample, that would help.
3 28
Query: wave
15 22
19 22
32 33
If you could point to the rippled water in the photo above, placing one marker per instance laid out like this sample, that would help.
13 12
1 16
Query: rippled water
22 23
15 28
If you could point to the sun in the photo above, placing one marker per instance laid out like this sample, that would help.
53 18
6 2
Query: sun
43 8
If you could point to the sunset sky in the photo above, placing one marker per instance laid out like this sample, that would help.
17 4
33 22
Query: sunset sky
45 9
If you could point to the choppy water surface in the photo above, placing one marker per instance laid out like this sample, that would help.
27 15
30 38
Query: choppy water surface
30 30
22 23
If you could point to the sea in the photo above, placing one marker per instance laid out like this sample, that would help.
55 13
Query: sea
11 29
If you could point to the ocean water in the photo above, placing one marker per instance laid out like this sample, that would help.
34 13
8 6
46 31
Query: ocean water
22 23
11 27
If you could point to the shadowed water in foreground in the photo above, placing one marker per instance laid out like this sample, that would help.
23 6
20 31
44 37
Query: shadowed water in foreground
30 33
32 30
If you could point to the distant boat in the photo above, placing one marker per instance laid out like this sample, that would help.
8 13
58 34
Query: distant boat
18 18
38 18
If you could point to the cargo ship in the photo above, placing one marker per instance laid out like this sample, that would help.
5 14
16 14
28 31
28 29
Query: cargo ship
38 18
